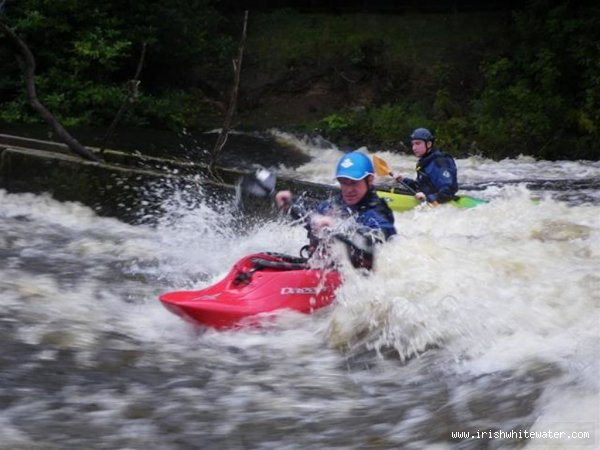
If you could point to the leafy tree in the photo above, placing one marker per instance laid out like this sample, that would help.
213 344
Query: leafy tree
86 51
544 96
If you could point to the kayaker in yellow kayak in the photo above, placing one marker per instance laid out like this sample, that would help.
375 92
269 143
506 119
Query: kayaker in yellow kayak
436 171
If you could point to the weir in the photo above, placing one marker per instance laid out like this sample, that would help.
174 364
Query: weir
122 186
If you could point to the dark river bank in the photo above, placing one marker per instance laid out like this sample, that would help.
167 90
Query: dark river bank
241 150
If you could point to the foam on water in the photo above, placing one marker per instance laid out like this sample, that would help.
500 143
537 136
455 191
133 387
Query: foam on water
473 318
474 169
505 287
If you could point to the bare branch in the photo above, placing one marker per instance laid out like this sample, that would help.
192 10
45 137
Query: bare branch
131 97
237 64
27 65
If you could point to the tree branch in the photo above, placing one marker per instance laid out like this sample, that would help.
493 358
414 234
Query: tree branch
237 66
27 65
131 97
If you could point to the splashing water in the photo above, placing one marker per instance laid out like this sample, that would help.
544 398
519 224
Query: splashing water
480 320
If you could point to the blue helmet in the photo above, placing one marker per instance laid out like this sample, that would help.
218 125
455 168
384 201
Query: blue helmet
422 134
354 165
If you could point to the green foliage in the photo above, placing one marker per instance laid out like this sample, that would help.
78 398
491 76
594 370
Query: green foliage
534 90
175 110
385 126
335 123
545 95
278 39
516 110
484 85
385 123
86 51
445 107
457 136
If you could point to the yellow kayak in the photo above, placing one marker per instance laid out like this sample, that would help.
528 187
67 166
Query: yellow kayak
403 202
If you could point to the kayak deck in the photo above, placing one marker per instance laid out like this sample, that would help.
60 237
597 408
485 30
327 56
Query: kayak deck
257 284
401 201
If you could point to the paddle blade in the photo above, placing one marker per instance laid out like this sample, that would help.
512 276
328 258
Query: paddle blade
260 183
381 166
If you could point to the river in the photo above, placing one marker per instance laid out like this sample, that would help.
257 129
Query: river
476 321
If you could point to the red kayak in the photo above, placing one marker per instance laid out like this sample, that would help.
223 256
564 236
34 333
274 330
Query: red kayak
258 283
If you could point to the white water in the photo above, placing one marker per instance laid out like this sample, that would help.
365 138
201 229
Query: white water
481 319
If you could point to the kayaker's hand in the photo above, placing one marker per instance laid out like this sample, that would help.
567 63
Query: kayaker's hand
318 222
421 196
399 179
283 199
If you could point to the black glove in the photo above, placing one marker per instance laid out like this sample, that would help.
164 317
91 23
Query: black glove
361 248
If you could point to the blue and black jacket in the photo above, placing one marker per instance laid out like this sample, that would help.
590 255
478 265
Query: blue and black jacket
373 217
436 177
371 212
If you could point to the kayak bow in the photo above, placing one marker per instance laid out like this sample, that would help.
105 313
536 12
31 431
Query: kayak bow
258 283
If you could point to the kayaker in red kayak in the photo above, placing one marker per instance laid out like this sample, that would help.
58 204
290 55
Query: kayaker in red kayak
265 282
374 220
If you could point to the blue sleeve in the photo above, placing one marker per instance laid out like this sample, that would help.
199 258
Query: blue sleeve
370 218
323 207
376 221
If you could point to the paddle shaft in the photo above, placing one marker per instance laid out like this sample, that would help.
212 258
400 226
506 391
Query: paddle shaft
383 168
402 183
